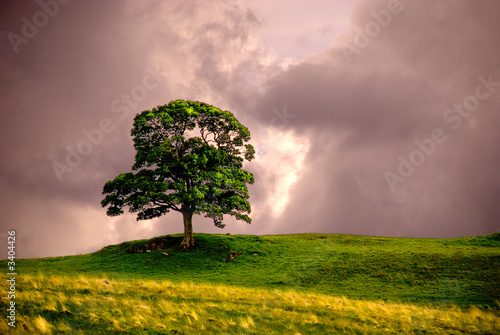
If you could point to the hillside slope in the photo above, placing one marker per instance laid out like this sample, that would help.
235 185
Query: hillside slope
463 271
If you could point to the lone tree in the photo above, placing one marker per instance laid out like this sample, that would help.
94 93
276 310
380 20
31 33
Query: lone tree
177 170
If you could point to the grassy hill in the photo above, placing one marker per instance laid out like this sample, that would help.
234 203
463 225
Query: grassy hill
279 284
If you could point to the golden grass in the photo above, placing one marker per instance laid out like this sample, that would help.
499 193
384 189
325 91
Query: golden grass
60 304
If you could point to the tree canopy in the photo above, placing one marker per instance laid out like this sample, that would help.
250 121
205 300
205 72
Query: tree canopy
189 158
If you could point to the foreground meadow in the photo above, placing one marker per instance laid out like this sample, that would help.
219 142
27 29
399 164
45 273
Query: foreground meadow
91 305
281 284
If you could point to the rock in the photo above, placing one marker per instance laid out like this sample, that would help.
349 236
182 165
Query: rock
232 255
156 244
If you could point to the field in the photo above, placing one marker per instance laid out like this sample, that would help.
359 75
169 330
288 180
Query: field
279 284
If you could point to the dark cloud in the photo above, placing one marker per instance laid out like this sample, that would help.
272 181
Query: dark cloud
76 85
365 110
70 91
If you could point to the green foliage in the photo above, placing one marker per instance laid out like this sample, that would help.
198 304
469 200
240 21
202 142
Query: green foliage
176 170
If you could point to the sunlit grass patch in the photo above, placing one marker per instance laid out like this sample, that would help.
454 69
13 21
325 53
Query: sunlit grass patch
98 305
42 325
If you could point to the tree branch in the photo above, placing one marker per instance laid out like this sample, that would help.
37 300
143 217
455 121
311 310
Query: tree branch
163 204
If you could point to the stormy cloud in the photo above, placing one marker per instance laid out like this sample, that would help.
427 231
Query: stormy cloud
369 117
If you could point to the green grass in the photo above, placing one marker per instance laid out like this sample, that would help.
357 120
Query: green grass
93 305
280 284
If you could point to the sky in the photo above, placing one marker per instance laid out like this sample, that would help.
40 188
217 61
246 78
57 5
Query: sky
370 117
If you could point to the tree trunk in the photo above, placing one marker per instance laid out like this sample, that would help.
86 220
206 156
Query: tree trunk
188 241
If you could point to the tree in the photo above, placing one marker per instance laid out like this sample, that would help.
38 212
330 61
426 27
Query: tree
176 170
